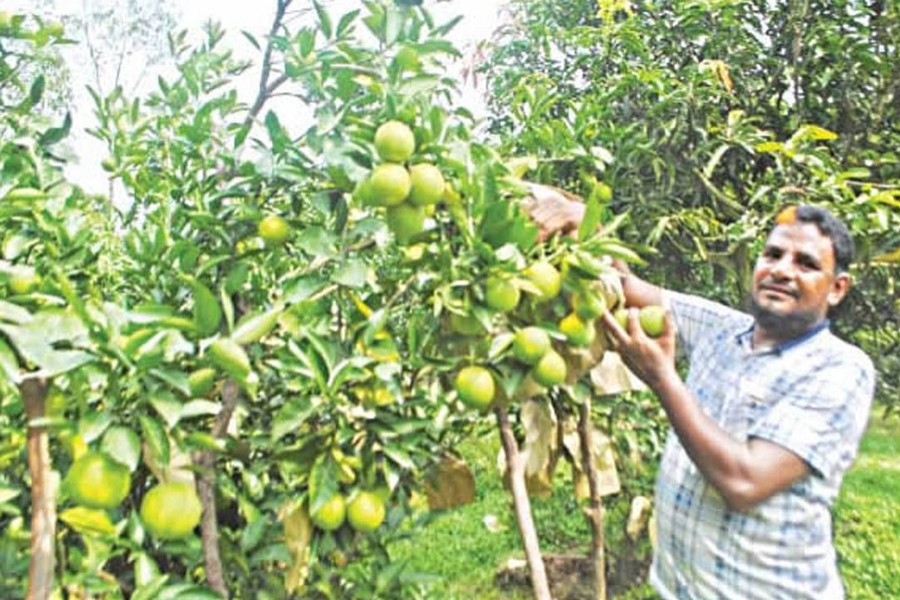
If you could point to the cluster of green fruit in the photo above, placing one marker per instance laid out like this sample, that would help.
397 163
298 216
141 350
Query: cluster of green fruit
408 194
532 345
364 511
168 510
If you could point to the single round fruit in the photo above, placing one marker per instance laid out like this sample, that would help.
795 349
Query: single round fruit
23 280
550 370
621 316
389 184
546 278
405 221
475 386
274 230
578 332
171 510
465 324
366 512
530 344
108 164
394 141
652 319
501 294
427 184
330 515
97 481
588 305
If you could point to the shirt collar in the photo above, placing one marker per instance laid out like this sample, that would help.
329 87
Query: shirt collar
744 337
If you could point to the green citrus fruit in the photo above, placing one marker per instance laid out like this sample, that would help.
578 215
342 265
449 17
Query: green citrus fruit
405 221
588 305
97 481
652 319
550 370
475 386
621 316
530 344
546 278
389 184
501 294
578 332
331 515
171 510
366 512
23 280
274 230
394 141
427 184
465 324
108 164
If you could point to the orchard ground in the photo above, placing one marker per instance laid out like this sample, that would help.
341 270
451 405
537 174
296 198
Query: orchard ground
464 549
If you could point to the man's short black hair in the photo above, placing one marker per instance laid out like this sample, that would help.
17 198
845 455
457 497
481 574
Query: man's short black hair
828 225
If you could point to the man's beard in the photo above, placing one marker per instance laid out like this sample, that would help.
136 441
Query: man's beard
783 327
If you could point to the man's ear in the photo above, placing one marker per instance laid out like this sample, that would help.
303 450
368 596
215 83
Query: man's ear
839 288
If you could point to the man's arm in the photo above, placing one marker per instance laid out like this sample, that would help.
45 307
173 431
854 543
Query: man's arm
554 213
744 473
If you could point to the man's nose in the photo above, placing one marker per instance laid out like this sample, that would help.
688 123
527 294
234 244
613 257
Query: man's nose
782 267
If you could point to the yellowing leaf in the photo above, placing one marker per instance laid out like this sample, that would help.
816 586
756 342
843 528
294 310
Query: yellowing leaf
88 521
611 376
297 535
450 484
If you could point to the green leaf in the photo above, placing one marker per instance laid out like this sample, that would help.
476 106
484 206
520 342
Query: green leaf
56 134
9 364
124 445
168 407
291 417
14 313
277 553
324 20
317 242
37 90
175 378
323 482
255 326
207 312
591 221
154 435
200 408
352 273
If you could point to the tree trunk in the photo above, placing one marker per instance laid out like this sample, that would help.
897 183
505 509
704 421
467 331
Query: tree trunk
43 495
206 490
594 510
516 468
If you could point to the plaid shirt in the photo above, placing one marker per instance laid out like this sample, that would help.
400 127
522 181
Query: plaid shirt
811 395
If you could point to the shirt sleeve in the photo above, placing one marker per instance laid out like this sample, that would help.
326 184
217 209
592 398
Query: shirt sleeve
695 317
823 417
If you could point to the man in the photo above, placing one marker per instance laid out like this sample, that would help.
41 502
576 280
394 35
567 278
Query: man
764 426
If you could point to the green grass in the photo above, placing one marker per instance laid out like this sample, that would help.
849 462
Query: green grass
458 548
867 515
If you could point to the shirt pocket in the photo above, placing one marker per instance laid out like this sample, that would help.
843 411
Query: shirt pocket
757 399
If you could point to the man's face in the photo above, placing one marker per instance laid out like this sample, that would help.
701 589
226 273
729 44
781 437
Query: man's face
794 282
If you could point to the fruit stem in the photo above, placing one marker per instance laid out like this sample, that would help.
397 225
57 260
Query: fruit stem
43 494
206 490
516 469
594 511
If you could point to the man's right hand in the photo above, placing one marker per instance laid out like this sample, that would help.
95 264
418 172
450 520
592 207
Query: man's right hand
552 211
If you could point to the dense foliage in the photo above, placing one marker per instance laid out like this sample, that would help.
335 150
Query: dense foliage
705 117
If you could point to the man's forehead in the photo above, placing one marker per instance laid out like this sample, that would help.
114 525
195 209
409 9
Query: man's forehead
801 237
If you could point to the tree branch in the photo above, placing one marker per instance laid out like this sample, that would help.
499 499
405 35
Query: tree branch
43 495
594 510
265 87
516 469
206 489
